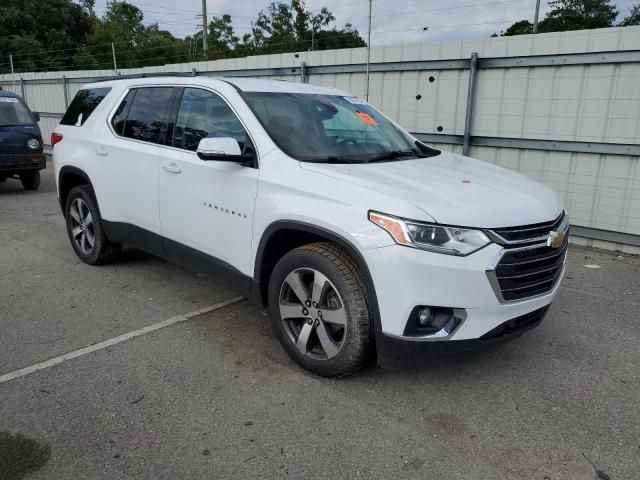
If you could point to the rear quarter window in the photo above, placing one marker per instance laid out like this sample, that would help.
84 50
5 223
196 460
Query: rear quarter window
83 105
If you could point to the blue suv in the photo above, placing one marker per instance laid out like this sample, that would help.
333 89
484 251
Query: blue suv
21 155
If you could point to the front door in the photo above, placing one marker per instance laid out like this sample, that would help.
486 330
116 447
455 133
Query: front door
206 207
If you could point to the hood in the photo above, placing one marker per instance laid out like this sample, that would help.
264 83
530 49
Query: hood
13 138
454 190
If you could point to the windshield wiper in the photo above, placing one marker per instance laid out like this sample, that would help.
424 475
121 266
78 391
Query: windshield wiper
334 159
394 154
359 159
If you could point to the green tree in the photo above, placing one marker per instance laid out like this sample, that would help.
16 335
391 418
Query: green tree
633 18
522 27
29 27
578 15
221 36
136 45
568 15
289 27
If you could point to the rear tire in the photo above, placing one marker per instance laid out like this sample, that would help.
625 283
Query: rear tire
84 226
31 180
328 332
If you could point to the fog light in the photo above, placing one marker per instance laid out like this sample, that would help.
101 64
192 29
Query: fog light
425 317
426 321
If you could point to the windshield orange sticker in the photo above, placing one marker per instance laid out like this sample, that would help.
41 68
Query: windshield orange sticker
366 118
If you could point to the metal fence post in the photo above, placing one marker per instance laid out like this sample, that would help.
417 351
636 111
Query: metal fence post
23 91
303 72
468 119
65 91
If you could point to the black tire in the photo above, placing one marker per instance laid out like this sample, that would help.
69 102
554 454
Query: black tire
102 250
30 180
335 264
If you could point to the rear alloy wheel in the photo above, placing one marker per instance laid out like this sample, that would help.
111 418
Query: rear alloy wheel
84 226
318 307
31 180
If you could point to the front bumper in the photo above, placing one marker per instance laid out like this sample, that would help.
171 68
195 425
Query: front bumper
394 352
10 163
405 278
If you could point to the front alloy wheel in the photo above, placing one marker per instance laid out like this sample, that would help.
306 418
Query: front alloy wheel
313 314
318 307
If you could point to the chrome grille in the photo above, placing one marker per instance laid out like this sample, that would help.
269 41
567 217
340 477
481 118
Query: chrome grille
527 271
527 233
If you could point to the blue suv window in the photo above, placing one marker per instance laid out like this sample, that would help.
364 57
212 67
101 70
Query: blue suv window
83 105
14 112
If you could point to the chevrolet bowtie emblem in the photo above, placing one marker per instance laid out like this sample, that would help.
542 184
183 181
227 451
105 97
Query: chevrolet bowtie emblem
556 239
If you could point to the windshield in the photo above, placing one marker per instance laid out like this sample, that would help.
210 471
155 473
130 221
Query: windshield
14 112
331 128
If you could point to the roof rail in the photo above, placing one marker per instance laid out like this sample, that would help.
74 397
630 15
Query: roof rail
192 73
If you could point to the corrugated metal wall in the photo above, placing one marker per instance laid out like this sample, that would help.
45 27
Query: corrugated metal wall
583 103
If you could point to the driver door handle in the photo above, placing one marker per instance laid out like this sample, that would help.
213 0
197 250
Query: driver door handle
172 168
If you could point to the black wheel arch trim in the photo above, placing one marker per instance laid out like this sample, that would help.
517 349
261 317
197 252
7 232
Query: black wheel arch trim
331 236
75 171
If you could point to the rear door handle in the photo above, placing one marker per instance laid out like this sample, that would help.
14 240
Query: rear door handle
172 168
102 151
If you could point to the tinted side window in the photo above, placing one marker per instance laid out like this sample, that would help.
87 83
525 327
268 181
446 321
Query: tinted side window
120 116
147 120
83 105
204 114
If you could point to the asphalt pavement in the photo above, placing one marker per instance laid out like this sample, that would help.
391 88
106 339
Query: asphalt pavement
214 396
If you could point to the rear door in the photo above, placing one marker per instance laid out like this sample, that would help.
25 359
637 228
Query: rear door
130 157
207 206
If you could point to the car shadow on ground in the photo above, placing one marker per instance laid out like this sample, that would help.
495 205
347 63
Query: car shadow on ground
131 255
12 187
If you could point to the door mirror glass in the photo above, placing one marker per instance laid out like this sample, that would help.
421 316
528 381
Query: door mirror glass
219 148
36 115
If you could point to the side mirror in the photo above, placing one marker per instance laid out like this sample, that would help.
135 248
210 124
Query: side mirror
225 149
37 116
218 148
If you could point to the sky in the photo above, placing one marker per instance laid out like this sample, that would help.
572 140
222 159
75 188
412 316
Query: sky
393 21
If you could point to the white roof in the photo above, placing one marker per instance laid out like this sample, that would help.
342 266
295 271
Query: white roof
244 84
258 85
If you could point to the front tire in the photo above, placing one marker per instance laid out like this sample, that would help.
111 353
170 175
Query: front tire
318 306
84 226
31 180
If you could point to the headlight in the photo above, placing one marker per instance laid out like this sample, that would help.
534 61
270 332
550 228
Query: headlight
33 144
435 238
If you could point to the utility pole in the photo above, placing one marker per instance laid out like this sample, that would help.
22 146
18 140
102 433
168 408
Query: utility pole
204 26
113 52
368 51
13 73
535 18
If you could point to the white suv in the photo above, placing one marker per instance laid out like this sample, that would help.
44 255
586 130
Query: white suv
359 238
